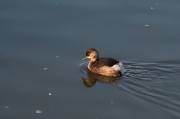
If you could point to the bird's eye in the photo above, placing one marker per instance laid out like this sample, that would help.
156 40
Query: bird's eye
87 53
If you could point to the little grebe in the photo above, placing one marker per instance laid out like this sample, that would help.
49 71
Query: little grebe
104 66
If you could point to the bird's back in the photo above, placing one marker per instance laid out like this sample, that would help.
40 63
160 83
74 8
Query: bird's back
105 62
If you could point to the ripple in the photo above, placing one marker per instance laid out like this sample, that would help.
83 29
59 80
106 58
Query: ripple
83 68
155 81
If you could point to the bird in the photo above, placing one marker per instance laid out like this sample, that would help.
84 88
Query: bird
105 66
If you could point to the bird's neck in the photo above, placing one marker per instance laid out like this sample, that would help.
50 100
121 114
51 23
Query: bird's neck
91 62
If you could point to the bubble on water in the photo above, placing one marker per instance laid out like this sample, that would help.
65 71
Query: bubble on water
146 25
45 68
152 8
50 93
112 102
38 111
57 56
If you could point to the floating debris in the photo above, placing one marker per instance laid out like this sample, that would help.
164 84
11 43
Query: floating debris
6 106
45 68
38 111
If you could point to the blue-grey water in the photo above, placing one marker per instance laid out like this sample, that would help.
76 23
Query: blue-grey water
42 43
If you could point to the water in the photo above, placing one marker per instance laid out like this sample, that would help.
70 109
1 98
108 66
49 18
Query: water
148 81
42 44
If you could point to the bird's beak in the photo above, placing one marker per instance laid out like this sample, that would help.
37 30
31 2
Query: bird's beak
84 58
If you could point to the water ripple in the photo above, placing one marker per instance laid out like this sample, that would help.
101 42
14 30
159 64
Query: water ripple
156 82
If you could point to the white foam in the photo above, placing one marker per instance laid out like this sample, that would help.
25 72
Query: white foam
121 67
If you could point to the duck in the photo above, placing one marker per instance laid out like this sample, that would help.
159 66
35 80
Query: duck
105 66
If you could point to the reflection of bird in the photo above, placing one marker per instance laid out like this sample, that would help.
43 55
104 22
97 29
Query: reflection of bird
103 66
89 82
92 78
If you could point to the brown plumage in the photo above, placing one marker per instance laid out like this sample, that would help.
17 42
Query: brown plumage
104 66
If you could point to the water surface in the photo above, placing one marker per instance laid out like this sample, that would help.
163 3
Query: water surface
42 44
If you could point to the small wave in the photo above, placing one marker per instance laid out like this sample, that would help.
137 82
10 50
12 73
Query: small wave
156 82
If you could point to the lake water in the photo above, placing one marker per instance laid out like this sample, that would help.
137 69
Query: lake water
42 43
